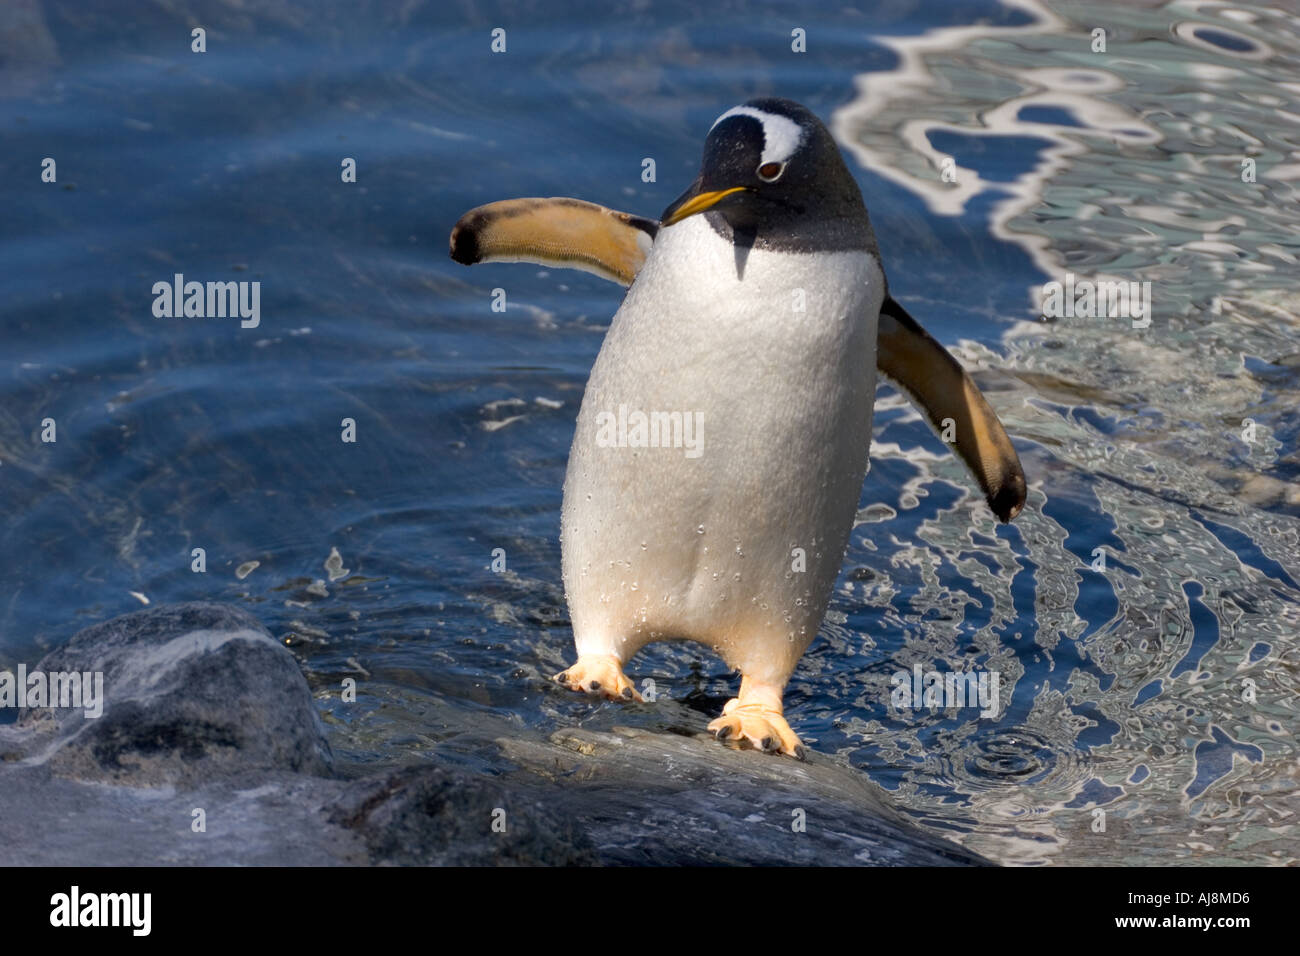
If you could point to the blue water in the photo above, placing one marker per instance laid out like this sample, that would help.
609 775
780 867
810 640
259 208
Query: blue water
1122 687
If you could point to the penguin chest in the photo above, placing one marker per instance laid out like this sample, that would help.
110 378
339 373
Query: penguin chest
722 441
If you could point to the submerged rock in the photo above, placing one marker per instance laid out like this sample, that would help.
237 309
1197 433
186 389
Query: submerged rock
210 750
192 693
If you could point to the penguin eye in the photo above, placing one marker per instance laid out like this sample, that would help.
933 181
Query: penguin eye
771 172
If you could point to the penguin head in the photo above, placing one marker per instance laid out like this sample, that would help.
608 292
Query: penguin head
773 172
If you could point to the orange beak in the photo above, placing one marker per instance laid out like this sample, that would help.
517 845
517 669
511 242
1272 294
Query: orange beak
700 203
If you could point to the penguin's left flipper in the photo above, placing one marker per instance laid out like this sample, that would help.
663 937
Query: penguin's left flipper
565 233
934 381
571 233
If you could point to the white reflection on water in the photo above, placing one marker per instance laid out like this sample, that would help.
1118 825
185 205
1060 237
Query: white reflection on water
1162 690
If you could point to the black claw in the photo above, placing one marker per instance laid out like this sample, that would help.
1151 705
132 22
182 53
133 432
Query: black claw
800 753
627 693
595 685
562 678
723 732
768 744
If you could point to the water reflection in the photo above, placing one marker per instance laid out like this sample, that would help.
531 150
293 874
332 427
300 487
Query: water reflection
1145 607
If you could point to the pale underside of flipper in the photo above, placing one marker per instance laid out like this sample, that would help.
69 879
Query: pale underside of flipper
565 233
571 233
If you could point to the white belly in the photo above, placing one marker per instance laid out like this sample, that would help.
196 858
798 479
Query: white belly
701 543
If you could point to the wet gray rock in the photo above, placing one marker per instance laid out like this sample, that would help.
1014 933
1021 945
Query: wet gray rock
429 816
670 800
208 750
206 717
272 819
192 692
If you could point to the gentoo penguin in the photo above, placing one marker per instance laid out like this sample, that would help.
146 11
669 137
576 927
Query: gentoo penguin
723 437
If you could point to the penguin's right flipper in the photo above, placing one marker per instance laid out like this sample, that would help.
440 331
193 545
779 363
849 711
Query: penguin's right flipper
564 233
940 388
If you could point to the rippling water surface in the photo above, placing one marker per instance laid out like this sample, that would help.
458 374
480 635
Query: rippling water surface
1141 615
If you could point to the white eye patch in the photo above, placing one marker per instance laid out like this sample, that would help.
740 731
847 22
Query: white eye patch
781 135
